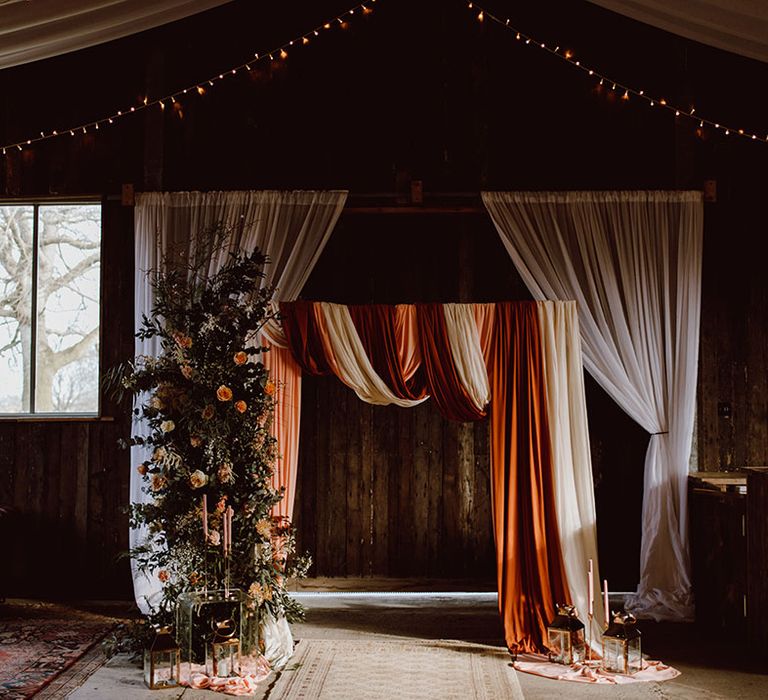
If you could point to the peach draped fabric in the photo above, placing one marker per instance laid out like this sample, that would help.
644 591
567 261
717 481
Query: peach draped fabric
396 340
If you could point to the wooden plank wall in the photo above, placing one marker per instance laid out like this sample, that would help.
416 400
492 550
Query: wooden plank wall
387 491
733 357
66 482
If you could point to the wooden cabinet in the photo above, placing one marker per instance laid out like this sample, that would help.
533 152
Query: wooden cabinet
729 554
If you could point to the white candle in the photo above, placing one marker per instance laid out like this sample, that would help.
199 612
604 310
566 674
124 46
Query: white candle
591 587
205 517
605 597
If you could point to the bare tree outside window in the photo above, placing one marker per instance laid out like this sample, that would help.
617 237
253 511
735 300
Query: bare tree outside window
62 344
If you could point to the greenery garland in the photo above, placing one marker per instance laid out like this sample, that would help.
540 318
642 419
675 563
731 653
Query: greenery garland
207 402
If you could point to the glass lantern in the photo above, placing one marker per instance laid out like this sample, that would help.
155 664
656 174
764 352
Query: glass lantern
621 645
565 637
162 661
223 651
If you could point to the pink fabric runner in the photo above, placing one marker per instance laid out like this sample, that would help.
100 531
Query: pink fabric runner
581 673
254 670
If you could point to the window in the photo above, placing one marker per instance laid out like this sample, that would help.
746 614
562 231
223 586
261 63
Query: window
50 260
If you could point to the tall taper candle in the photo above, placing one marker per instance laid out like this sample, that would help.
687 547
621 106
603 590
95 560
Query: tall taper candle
205 517
231 512
224 531
591 586
605 602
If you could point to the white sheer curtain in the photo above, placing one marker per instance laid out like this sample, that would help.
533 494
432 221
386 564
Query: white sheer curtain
632 262
291 228
31 31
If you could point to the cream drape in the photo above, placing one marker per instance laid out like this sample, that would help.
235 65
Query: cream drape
574 489
353 367
467 351
31 31
291 228
740 26
632 262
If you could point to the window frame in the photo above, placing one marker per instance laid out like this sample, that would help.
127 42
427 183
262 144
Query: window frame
35 203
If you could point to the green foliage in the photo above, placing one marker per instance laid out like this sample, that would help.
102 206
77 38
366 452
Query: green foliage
207 404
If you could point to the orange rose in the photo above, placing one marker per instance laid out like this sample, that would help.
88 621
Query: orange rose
269 388
207 412
224 393
142 469
195 441
163 575
241 406
240 358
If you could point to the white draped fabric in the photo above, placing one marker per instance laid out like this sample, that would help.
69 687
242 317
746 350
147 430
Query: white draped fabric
291 228
632 262
740 26
574 490
464 337
31 31
352 364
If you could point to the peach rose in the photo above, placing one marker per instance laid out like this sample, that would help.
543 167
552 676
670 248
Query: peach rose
214 537
142 469
269 388
221 505
198 479
163 575
195 440
158 482
156 402
240 358
264 528
207 412
225 472
187 371
241 406
167 425
224 393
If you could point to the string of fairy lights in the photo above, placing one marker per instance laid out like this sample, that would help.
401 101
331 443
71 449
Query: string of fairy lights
626 91
173 100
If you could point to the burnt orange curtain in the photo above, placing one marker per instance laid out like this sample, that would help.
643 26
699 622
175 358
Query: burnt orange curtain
530 571
375 324
443 383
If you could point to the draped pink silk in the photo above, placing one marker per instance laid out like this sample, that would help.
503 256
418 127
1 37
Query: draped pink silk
530 570
286 376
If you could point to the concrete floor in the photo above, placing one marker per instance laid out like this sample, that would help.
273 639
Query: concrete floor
706 672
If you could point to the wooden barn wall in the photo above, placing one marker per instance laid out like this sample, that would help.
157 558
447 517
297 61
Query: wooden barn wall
386 491
65 483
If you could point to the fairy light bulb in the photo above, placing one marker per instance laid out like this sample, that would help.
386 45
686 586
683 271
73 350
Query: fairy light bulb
305 41
480 16
283 54
200 90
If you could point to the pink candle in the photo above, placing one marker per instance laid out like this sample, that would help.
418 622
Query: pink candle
224 532
205 516
605 601
591 587
231 513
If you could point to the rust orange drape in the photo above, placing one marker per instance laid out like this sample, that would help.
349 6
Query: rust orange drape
530 570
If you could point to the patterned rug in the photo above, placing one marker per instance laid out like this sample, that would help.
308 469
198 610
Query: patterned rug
38 641
382 670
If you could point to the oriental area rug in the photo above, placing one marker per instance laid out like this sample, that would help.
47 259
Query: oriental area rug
407 670
40 642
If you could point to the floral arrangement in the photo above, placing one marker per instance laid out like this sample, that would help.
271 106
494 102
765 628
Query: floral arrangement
207 403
